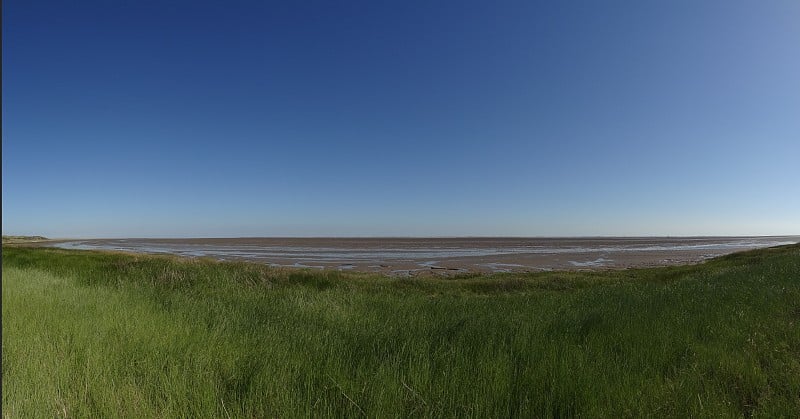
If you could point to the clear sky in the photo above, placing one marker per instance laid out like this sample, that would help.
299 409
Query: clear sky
402 118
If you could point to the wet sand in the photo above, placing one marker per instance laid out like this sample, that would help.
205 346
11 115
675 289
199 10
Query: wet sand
445 256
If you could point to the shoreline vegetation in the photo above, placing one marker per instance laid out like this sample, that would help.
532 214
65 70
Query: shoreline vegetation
106 334
24 239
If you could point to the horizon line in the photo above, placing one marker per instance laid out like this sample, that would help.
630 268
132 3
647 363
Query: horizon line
417 237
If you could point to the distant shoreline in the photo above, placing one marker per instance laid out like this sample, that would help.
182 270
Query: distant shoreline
24 239
443 256
598 237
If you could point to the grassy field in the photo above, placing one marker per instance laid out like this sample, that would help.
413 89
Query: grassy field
23 239
107 335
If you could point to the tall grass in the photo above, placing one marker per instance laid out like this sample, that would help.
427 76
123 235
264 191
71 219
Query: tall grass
109 335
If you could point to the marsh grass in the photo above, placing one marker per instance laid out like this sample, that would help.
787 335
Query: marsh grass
110 335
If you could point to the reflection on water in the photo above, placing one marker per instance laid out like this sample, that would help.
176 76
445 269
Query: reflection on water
591 263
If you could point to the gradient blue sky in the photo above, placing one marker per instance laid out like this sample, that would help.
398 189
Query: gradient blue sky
304 118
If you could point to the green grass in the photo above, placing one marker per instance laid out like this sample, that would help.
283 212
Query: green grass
108 335
23 239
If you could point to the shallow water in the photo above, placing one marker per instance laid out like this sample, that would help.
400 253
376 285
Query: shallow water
406 256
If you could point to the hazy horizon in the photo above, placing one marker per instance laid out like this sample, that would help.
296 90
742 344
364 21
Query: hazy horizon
402 237
457 119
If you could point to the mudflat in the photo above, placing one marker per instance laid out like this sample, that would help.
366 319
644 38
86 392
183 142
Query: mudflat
421 256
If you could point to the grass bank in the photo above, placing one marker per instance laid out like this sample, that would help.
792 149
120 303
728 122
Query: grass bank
101 334
23 239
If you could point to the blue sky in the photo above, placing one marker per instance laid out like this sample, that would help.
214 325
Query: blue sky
304 118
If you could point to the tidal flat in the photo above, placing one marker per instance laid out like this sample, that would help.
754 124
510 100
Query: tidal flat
445 256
